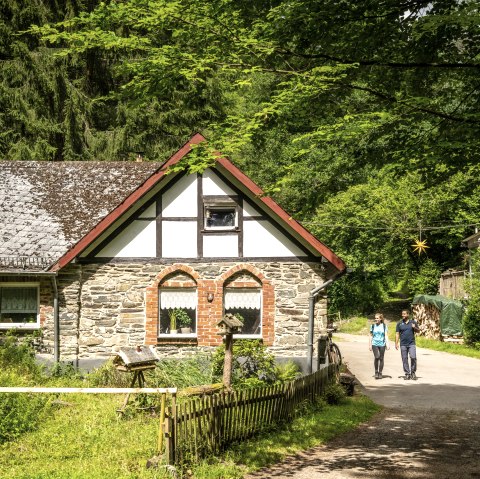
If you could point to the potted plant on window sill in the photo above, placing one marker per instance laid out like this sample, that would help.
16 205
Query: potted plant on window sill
184 321
172 314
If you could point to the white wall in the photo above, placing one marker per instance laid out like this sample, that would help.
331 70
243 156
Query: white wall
137 240
180 201
221 246
262 239
213 185
179 239
250 210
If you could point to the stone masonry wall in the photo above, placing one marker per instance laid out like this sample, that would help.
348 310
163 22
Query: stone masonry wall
106 306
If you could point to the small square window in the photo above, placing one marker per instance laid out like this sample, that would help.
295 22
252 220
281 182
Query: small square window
18 306
220 217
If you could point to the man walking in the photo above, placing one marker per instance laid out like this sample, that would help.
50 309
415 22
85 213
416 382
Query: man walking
405 335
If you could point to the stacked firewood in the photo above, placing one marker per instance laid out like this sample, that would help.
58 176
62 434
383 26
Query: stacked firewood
428 318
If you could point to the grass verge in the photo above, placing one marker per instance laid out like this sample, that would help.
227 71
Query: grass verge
84 439
314 428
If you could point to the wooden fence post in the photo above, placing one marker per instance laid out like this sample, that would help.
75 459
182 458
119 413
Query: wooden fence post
169 440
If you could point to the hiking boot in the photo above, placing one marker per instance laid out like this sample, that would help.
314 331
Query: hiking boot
406 377
413 376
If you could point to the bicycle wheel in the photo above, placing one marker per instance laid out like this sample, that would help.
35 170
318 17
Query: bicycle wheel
335 354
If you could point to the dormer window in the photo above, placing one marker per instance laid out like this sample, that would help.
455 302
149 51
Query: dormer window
220 214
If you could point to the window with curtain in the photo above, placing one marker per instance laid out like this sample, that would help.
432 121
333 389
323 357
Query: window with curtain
178 311
246 303
18 306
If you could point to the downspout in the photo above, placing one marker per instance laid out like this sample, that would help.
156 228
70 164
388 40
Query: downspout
311 316
56 322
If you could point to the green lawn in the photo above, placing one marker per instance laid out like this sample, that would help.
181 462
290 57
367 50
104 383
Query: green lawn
84 439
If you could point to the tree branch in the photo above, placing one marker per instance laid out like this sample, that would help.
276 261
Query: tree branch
345 61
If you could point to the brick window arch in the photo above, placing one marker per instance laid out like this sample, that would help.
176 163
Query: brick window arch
173 290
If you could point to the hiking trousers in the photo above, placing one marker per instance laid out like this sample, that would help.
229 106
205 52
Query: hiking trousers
379 353
406 352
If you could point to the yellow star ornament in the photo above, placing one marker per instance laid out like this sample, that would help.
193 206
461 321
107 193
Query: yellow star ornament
420 246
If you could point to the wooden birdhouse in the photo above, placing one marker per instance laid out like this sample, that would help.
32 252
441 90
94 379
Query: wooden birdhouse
135 358
229 324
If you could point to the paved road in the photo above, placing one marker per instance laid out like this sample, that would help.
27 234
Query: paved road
429 429
445 381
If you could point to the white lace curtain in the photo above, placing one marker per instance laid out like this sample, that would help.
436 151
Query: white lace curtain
243 298
171 298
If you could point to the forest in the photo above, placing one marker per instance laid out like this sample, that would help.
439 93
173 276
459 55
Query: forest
360 118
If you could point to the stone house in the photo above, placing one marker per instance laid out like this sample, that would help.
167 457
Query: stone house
98 255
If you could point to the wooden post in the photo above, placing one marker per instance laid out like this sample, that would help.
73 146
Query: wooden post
161 432
169 444
227 365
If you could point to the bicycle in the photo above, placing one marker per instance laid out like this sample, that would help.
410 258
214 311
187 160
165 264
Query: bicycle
328 351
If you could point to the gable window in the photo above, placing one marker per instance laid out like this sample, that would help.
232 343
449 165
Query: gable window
178 311
19 306
246 303
220 214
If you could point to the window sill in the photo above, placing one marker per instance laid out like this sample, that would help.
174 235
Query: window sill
7 326
178 335
247 336
219 230
176 339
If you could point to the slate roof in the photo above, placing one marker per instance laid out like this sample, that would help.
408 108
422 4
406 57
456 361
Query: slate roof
47 207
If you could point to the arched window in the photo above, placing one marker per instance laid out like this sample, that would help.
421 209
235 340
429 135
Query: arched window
177 305
242 297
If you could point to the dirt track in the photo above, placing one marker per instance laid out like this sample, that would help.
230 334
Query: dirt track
428 429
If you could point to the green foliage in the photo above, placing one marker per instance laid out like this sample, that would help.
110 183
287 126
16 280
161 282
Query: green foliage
182 373
355 325
19 413
252 366
334 394
107 375
471 319
364 126
356 293
17 354
182 318
426 280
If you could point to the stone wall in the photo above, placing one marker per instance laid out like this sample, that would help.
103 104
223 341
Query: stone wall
107 306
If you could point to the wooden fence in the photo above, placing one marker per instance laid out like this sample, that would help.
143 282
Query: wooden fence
200 426
452 284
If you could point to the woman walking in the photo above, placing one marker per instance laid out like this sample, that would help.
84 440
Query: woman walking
378 342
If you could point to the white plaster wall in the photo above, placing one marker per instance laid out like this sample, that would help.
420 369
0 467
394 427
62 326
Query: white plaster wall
221 246
137 240
180 201
262 239
250 210
179 239
213 185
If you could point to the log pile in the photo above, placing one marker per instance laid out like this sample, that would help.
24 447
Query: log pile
428 318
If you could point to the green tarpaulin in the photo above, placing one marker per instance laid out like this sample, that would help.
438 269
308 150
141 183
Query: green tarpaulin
451 312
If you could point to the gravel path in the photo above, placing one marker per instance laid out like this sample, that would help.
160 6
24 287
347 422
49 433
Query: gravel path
428 429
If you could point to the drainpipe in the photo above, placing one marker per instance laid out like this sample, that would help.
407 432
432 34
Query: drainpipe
311 316
56 322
